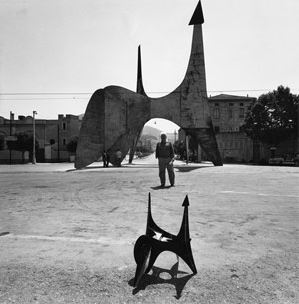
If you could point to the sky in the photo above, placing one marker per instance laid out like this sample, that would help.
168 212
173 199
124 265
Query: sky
55 53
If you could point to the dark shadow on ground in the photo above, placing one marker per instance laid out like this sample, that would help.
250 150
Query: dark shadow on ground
180 168
160 187
190 168
141 166
4 233
89 168
154 279
112 167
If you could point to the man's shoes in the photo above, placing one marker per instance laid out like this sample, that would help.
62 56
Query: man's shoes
162 185
171 185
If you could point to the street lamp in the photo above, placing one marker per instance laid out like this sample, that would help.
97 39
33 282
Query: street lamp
33 152
11 116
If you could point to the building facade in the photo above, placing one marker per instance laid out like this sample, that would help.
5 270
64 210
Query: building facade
228 114
52 137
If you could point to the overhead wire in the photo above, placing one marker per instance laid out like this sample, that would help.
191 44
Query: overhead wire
17 96
86 93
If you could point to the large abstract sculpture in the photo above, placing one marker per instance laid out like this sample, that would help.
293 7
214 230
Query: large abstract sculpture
156 240
115 116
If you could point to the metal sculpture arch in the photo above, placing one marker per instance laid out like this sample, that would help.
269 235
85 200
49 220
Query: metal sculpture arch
115 116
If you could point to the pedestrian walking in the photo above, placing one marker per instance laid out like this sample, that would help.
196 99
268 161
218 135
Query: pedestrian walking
105 158
165 155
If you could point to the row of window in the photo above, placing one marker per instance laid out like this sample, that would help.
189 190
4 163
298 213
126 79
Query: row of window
241 144
231 104
228 129
216 112
52 141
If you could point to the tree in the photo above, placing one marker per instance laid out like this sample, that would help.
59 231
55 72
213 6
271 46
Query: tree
72 145
23 143
273 117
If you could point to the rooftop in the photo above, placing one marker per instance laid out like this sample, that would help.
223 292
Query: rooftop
230 97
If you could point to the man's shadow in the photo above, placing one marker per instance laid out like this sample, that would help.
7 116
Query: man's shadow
160 187
184 169
154 278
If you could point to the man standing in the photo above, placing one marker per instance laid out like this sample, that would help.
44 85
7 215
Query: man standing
165 155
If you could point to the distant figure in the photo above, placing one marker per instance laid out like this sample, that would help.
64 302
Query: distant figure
165 155
118 156
105 158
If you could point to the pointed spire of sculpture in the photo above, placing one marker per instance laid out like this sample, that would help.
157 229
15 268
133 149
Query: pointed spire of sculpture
151 226
140 88
184 230
150 222
186 202
197 17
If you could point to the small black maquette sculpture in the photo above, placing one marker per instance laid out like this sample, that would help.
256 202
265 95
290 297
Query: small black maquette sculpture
156 240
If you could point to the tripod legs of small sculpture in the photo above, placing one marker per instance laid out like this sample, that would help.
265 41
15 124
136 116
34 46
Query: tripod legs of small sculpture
156 240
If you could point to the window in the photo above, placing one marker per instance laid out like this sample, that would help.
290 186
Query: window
63 126
230 110
217 129
64 141
216 111
241 112
52 141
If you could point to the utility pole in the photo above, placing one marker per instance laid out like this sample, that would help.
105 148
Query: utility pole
10 131
58 143
33 152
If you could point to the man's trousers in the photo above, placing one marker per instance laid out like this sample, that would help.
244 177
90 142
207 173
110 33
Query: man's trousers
166 163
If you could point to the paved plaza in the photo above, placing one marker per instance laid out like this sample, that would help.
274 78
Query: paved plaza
67 236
